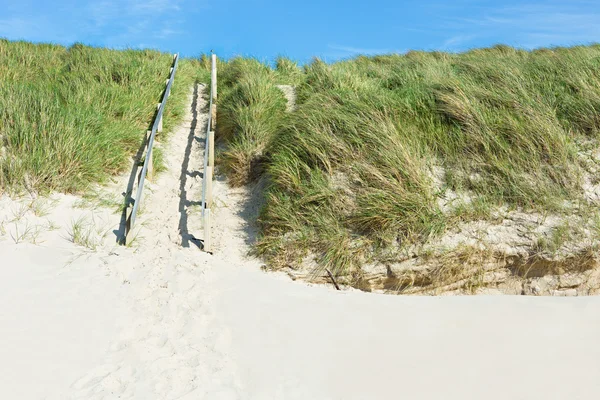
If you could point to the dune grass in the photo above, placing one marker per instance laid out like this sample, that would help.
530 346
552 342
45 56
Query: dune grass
70 117
251 110
356 172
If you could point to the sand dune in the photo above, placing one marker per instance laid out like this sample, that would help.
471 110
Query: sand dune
163 320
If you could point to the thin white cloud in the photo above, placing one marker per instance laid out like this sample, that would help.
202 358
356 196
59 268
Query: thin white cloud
135 21
154 6
37 28
17 27
357 50
535 24
166 32
111 11
112 23
350 50
102 12
457 41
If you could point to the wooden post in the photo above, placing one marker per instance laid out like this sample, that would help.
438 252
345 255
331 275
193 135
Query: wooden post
150 172
207 243
160 120
213 117
208 205
213 76
213 91
209 175
211 149
128 235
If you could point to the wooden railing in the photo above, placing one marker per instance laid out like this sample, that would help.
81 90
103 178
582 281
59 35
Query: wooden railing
209 157
148 168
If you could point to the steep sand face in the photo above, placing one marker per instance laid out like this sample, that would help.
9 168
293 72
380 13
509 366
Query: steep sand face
163 320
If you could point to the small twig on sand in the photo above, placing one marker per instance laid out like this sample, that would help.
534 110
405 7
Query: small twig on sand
332 278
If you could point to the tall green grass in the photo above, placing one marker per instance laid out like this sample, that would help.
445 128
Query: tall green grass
351 170
73 116
250 113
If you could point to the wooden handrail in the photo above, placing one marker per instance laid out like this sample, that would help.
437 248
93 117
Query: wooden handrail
148 164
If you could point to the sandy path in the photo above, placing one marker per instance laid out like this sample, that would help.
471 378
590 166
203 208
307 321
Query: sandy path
163 320
173 347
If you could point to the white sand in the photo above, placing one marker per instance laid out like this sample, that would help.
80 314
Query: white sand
162 320
295 342
55 321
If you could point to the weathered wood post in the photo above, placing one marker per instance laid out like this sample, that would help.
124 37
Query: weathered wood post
160 121
149 154
209 176
172 83
207 221
211 149
213 76
213 90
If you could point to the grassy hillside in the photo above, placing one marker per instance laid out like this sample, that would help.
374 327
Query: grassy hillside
73 116
358 173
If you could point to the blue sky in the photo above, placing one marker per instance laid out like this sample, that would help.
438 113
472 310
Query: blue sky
302 29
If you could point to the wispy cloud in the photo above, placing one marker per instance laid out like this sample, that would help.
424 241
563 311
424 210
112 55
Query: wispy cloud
113 23
16 26
155 6
134 19
457 41
431 24
340 51
166 32
358 50
30 29
337 52
110 11
531 24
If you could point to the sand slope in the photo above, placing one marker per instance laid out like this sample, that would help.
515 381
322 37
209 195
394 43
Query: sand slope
318 344
163 320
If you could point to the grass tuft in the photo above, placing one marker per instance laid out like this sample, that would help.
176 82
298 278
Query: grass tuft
83 233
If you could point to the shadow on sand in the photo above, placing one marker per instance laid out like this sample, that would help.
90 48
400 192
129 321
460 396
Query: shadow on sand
184 202
128 193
